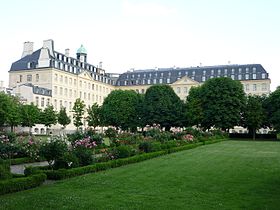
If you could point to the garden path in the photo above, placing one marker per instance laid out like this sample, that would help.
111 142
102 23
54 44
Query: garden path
19 169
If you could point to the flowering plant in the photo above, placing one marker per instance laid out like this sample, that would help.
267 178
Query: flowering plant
85 142
31 148
188 138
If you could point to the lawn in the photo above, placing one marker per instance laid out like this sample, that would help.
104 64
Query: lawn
226 175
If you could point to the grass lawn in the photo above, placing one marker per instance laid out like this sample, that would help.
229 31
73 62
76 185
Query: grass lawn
226 175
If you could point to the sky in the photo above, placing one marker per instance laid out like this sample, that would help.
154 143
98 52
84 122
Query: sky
126 34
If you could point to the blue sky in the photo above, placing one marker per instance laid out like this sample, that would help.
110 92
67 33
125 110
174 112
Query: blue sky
138 34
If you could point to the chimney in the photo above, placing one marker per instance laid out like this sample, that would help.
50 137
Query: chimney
100 64
50 45
67 52
27 49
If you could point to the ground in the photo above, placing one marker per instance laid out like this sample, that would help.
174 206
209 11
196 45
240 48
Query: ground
227 175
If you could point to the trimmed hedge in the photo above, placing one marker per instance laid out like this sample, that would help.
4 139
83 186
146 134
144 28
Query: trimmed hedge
17 161
67 173
18 184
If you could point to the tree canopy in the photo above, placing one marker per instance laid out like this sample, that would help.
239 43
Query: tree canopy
62 117
78 110
163 107
272 105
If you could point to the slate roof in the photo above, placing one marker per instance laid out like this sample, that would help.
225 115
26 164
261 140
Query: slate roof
39 90
22 64
199 74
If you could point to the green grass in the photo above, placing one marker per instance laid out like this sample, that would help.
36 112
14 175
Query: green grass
226 175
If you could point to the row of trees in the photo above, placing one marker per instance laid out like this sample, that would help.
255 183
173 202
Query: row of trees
14 113
219 103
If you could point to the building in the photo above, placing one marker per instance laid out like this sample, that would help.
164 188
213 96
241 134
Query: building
46 76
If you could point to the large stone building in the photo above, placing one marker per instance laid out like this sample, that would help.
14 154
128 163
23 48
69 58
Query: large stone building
46 76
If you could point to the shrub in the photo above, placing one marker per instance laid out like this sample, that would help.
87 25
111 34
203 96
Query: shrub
23 183
84 155
192 131
11 136
75 136
150 146
31 148
111 133
124 151
53 149
169 144
4 170
67 160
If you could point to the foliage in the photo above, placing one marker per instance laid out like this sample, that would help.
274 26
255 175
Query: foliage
120 109
159 135
111 133
48 116
253 114
84 155
31 147
29 115
93 117
75 136
62 117
96 137
222 100
194 112
4 170
67 160
149 146
272 105
163 107
18 184
124 151
53 149
78 110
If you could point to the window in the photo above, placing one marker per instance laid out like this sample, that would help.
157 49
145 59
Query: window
193 73
254 87
204 72
263 75
149 81
247 87
66 80
246 76
37 100
88 96
65 92
75 94
155 81
219 71
212 71
29 78
60 104
168 80
254 76
85 96
55 90
254 69
232 71
232 76
247 70
75 81
55 104
185 89
240 70
239 76
178 90
92 86
264 87
20 78
160 80
60 91
80 83
55 77
48 102
70 81
42 102
61 78
65 104
37 77
225 71
70 93
88 85
203 78
70 105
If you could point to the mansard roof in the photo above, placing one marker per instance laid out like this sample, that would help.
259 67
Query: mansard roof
199 74
39 90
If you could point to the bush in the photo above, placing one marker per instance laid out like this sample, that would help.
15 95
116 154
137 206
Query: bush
18 184
11 136
111 133
4 170
169 144
75 136
84 155
150 146
67 160
124 151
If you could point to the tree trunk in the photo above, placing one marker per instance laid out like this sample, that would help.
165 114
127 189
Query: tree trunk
254 134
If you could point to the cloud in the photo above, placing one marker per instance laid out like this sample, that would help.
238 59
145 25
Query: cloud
146 9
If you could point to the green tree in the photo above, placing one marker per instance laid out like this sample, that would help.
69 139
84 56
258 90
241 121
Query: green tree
272 106
120 109
78 110
93 117
9 110
62 118
30 115
253 114
163 107
223 101
194 112
48 116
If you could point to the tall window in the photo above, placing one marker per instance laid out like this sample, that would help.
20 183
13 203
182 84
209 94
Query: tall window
185 89
55 90
37 100
29 78
264 87
178 90
20 78
263 75
37 77
42 102
254 87
254 76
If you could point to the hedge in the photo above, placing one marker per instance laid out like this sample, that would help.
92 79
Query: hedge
17 161
18 184
67 173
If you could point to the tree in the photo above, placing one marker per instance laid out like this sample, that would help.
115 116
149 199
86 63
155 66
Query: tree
93 117
223 100
253 114
163 107
48 116
194 112
120 109
63 118
29 115
272 106
9 111
78 110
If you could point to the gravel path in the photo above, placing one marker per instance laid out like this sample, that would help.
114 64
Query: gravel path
19 169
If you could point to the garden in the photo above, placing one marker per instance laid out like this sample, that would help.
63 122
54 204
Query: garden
88 152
